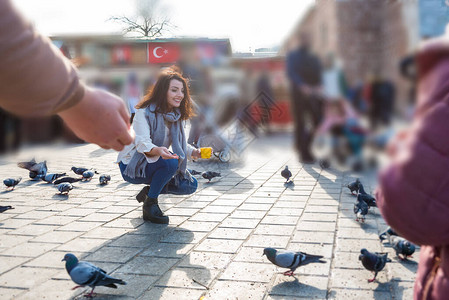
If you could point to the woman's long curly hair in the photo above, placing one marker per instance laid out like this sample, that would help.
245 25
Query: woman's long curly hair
158 94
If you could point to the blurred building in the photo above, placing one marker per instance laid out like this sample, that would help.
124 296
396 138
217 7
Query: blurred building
109 59
368 37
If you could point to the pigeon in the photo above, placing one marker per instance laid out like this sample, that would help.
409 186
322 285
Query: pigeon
33 175
401 246
286 174
360 210
370 200
40 169
210 174
193 172
26 164
50 177
67 179
324 163
87 175
290 260
80 171
86 274
374 262
5 208
65 187
388 231
105 178
354 186
12 182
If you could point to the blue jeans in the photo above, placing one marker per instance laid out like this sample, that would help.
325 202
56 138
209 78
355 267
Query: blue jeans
159 175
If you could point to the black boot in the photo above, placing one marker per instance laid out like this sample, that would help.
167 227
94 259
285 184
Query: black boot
152 212
143 194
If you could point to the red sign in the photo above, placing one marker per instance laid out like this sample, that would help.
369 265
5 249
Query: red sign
163 52
121 54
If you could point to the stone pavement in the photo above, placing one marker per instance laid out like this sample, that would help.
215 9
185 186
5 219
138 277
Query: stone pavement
215 239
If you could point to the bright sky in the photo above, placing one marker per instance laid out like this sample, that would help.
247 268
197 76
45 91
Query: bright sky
248 23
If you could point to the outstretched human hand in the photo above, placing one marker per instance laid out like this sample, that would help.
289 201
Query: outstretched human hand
100 118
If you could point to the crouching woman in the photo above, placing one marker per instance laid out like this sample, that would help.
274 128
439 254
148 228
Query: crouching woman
159 124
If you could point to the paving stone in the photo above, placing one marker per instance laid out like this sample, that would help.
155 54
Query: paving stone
104 232
113 254
264 241
310 287
8 241
219 245
157 293
356 294
252 272
230 233
209 260
56 220
251 254
146 265
354 245
173 250
208 217
239 223
316 226
51 259
255 206
183 236
317 249
78 226
82 244
198 226
10 293
24 277
313 237
10 262
280 220
290 204
29 249
124 223
274 229
225 289
357 279
218 209
135 286
192 278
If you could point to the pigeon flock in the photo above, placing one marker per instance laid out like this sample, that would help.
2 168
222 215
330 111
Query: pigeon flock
375 262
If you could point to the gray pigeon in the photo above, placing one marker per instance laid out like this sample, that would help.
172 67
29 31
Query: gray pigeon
87 175
40 169
67 179
374 262
79 171
86 274
370 200
105 178
12 182
401 246
286 174
388 231
50 177
65 187
26 164
360 210
194 172
210 174
290 260
354 186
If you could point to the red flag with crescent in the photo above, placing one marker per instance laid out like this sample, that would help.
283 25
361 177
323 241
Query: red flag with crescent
163 52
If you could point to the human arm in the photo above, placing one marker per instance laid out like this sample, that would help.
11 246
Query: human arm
37 80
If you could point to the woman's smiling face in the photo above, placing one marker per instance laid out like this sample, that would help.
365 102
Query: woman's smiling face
175 93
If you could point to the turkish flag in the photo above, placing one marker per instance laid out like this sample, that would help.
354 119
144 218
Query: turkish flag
163 52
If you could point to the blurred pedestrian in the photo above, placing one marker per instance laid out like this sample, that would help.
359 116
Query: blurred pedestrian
37 80
413 189
132 94
304 72
159 124
381 98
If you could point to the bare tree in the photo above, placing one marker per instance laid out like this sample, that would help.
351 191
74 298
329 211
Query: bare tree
149 20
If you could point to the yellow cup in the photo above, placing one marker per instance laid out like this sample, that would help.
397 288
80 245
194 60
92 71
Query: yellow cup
206 152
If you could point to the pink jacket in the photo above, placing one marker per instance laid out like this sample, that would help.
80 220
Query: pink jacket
413 194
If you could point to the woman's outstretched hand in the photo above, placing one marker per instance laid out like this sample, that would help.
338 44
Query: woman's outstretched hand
162 152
